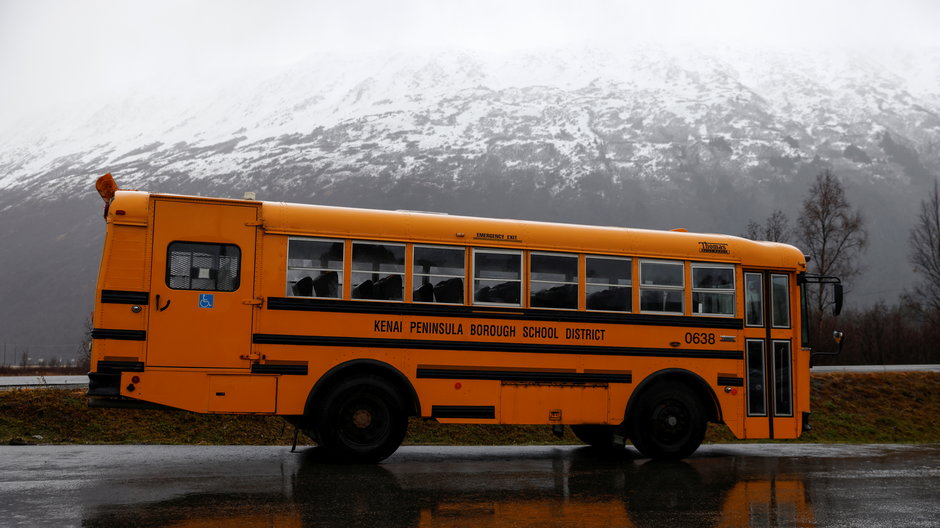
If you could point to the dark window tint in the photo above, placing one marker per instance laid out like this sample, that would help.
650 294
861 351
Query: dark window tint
608 284
755 379
497 277
754 299
783 397
553 281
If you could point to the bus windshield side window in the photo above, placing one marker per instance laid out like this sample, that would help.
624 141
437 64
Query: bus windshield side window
608 284
204 267
712 289
438 274
497 277
662 286
553 281
315 268
378 271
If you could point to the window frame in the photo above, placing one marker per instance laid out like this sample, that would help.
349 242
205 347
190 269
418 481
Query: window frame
732 290
414 275
340 272
577 264
473 275
628 287
657 287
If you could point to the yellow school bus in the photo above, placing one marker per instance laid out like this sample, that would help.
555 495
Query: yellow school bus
348 321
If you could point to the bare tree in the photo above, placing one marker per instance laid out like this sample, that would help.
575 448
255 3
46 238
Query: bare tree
833 233
925 248
776 228
84 348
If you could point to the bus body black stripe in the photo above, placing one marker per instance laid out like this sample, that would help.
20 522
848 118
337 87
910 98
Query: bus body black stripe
122 335
491 312
125 297
422 344
522 375
266 368
463 411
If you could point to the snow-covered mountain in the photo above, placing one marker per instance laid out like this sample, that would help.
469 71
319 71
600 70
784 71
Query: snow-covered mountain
705 139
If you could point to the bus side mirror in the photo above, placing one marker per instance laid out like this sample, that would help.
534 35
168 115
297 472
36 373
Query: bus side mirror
837 298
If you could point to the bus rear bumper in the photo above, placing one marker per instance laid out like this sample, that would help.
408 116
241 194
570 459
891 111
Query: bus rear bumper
104 384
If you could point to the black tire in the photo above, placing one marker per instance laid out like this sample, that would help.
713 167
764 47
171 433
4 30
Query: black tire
668 422
362 419
598 436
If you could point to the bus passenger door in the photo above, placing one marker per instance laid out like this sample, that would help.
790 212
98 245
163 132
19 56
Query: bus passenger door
768 355
201 285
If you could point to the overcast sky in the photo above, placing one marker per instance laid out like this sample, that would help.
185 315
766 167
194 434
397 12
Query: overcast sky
64 51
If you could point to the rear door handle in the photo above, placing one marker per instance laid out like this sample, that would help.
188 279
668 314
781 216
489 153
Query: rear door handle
164 307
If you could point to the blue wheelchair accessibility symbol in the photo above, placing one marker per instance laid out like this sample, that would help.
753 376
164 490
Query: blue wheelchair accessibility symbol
206 300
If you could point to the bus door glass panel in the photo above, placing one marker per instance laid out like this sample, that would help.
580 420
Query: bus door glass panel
783 395
438 274
756 376
754 299
780 300
202 280
497 277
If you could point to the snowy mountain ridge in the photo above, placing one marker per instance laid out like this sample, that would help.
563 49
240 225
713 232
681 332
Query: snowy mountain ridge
645 114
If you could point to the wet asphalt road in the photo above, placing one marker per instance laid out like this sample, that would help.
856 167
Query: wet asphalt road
722 485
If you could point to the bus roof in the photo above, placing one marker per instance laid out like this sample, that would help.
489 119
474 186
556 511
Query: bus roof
443 229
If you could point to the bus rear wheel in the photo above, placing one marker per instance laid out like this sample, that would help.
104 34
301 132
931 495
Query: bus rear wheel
598 436
668 423
362 419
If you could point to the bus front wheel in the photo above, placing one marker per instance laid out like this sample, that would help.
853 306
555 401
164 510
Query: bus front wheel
361 419
668 423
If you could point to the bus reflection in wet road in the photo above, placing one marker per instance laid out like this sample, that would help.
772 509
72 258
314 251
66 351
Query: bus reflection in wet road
732 485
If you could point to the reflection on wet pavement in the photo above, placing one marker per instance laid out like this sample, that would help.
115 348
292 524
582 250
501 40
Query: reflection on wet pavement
739 485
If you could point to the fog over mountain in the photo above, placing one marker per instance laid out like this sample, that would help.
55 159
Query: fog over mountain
704 138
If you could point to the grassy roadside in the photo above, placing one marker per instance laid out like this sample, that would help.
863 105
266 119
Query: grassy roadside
854 408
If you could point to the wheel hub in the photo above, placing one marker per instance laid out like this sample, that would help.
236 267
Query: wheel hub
362 418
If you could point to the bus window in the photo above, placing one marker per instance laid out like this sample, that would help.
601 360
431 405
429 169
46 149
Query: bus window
608 284
378 271
438 274
780 301
553 281
712 289
662 286
206 267
497 277
314 268
754 299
